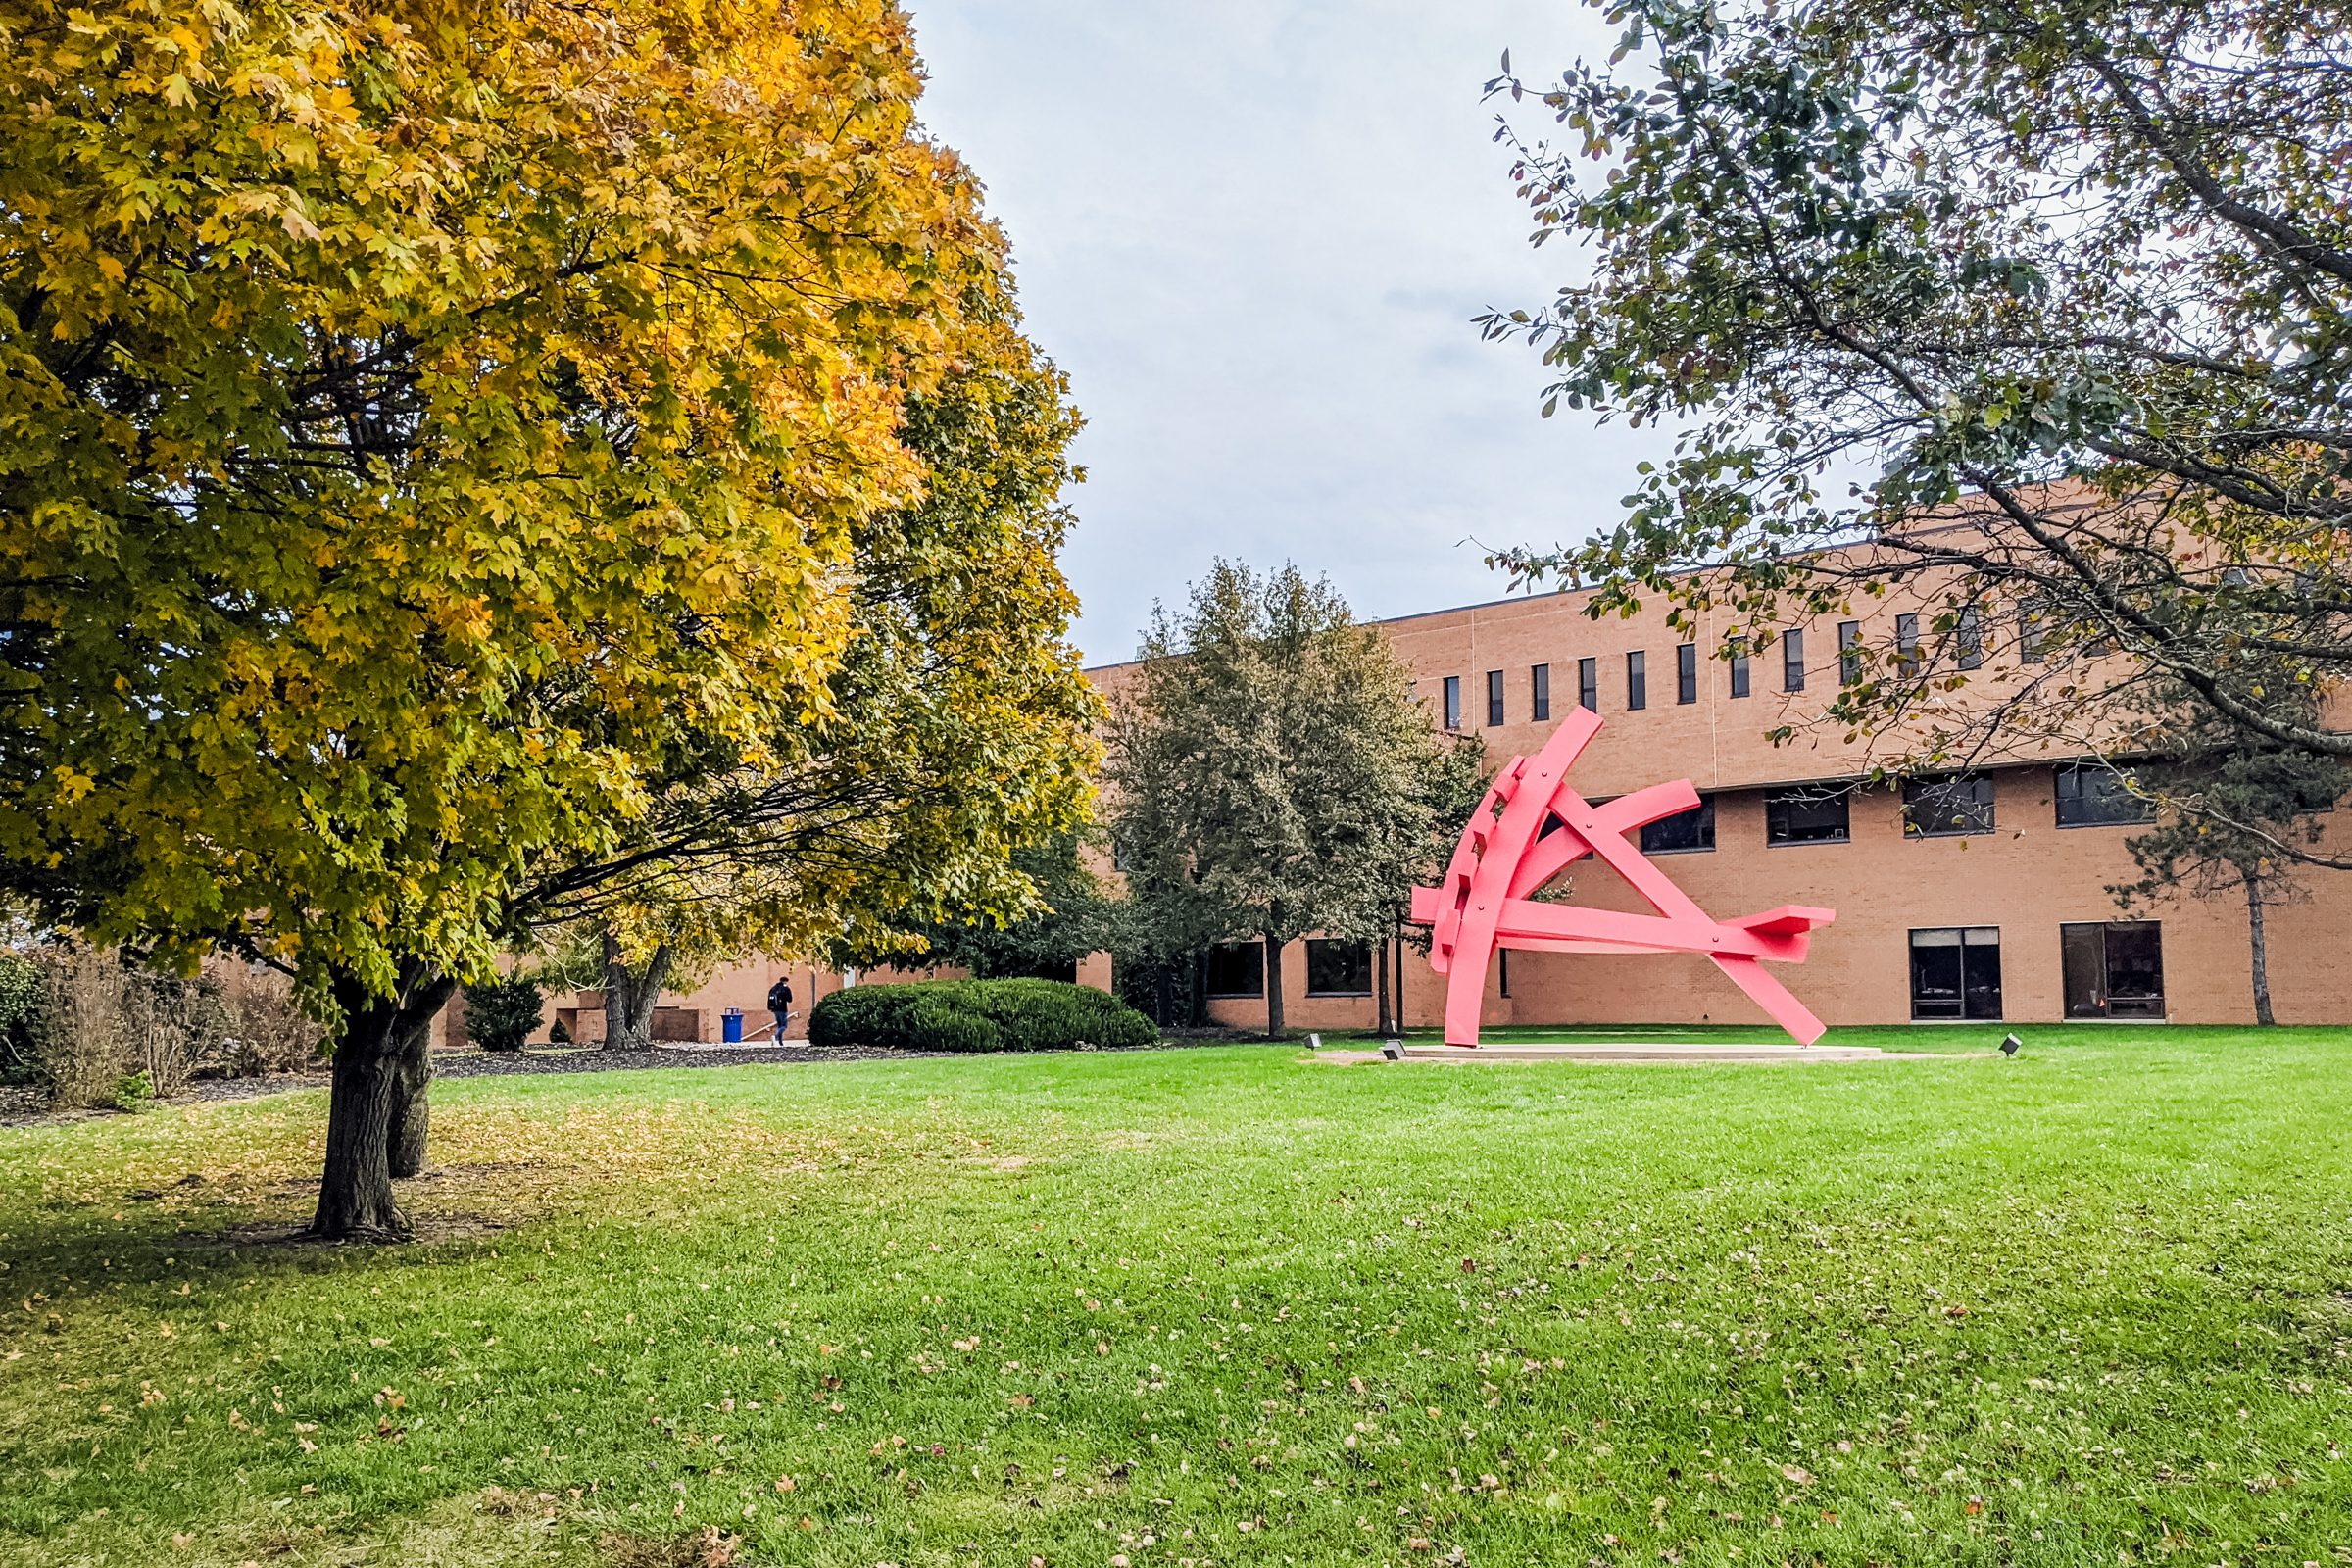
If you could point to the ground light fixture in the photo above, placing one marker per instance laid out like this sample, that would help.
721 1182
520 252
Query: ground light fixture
2010 1044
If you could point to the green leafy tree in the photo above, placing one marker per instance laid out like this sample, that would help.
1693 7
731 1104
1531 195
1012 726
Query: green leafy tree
2042 307
1073 916
500 1013
2243 818
934 800
432 441
1270 773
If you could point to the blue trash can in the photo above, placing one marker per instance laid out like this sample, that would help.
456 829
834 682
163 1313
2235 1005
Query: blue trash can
730 1026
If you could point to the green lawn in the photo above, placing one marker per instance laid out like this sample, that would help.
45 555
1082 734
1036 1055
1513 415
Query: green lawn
1219 1306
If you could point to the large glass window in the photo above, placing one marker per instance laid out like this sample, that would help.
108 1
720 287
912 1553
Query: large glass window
1793 661
1683 832
1494 697
1936 808
1540 688
2113 968
1685 673
2033 618
1454 702
1849 650
1637 680
1588 685
1956 972
1739 674
1336 968
1237 969
2095 794
1809 813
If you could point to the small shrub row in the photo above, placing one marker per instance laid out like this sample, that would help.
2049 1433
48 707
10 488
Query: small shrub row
978 1016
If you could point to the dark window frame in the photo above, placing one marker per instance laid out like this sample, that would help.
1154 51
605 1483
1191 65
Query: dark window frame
1965 1003
1637 680
1919 793
1849 652
1777 804
1454 702
1906 642
1686 672
1588 685
1793 660
1538 685
1320 954
1968 639
1495 708
1658 838
1210 982
1742 681
2095 808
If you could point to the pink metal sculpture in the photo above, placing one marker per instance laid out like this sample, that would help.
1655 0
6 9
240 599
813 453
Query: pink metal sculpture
1505 855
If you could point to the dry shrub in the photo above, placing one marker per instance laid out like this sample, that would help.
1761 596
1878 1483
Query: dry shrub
267 1030
108 1033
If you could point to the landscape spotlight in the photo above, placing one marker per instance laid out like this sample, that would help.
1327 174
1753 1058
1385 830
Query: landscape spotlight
2009 1045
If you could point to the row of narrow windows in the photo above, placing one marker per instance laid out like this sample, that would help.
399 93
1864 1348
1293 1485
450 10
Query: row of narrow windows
2107 969
1968 649
2084 795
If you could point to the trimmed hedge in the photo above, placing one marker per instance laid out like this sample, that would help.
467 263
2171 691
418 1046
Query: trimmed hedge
977 1016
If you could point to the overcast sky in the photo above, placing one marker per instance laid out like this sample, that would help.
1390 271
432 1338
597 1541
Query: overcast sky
1255 232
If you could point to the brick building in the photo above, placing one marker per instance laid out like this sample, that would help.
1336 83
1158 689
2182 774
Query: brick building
1980 898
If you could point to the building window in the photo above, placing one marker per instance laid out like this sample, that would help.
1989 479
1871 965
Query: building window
1740 673
1237 969
1683 833
1539 681
2094 795
1906 642
1968 640
2032 627
2113 968
1588 685
1793 661
1336 969
1685 673
1849 650
1637 680
1956 972
1454 702
1502 971
1494 697
1940 808
1809 813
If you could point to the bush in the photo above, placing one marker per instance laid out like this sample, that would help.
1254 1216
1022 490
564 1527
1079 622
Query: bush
19 1006
104 1032
1011 1016
267 1030
500 1014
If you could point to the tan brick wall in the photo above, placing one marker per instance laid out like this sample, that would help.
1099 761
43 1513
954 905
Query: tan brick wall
2026 878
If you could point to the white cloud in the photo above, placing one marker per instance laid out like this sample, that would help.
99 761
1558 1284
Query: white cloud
1255 232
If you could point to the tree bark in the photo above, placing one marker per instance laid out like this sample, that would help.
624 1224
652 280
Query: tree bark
1380 988
1273 986
376 1102
629 999
2260 947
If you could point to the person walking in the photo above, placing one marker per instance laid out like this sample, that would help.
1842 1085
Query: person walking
779 1002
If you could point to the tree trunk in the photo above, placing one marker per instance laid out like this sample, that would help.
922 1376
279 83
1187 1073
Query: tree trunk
1380 989
377 1099
1273 987
412 1079
2261 944
629 999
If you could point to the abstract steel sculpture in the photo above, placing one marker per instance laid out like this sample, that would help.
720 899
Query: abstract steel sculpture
1507 852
